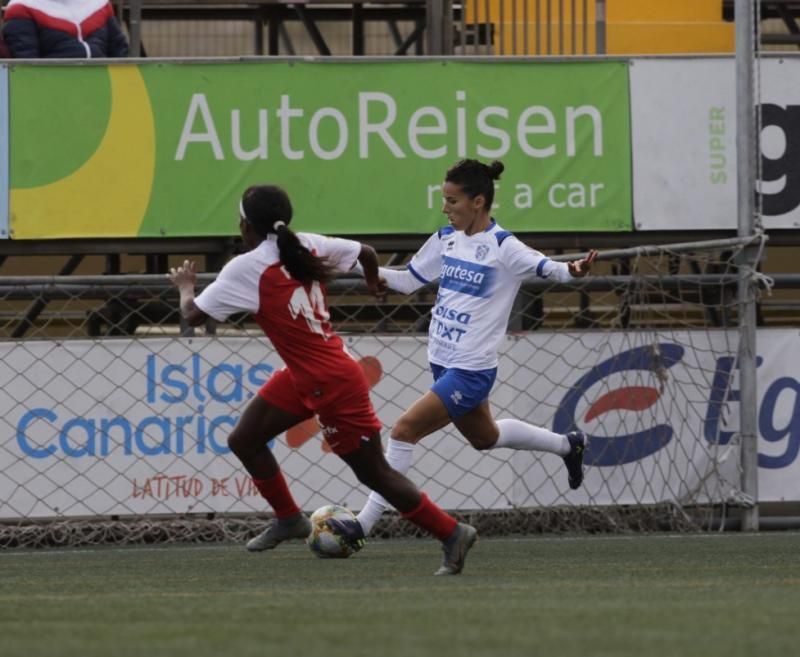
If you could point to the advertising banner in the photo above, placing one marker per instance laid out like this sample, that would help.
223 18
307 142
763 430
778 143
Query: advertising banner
684 143
661 415
135 427
166 149
3 151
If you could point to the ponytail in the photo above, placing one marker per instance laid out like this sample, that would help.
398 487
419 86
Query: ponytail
268 209
303 265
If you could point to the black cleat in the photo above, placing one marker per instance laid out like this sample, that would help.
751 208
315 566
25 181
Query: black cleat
574 460
350 531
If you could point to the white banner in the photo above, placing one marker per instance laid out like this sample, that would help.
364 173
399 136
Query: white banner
683 121
119 427
662 415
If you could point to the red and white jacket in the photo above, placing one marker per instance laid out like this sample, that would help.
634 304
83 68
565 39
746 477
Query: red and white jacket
63 28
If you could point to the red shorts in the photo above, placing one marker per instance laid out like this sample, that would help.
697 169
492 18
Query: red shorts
342 406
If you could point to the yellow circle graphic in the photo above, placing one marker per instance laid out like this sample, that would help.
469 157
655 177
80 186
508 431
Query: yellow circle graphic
109 194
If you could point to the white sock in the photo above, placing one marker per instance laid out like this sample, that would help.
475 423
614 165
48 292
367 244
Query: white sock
399 455
515 434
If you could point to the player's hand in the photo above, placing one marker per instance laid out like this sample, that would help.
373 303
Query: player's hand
579 268
378 288
185 275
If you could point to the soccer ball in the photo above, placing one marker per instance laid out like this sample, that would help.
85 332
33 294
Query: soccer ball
322 541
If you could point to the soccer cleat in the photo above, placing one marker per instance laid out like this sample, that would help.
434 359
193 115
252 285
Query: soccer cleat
278 532
574 460
350 531
455 549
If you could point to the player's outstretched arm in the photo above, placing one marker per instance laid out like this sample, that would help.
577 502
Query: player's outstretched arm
368 259
185 279
400 280
579 268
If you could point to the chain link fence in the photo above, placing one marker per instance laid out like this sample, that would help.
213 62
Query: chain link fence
115 414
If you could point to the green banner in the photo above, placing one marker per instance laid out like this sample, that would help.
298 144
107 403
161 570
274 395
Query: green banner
3 152
166 149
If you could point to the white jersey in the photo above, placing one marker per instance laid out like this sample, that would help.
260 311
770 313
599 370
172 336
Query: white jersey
479 277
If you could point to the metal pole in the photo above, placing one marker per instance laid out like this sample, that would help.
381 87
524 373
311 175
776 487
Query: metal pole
746 178
436 20
135 27
448 27
600 27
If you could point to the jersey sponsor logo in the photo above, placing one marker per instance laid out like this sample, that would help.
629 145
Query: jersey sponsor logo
466 277
627 448
445 332
449 313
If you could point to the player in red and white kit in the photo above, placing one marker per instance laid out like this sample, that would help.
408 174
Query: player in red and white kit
281 280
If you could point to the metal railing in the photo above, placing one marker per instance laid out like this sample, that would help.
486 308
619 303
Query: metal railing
370 27
530 27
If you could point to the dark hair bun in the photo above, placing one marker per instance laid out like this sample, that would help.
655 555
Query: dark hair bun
495 169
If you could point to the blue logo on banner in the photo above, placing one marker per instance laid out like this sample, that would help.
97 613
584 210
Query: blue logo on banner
618 450
466 277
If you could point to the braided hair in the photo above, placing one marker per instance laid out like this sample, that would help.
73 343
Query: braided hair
267 209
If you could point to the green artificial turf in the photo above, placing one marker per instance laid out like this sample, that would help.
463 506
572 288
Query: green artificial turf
708 595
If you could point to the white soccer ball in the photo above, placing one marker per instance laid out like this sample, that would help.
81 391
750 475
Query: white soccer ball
322 541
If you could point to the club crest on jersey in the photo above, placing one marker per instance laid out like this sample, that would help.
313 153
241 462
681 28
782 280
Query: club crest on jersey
481 252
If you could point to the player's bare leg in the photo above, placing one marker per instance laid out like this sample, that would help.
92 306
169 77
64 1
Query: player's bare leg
370 466
259 423
478 427
483 433
422 418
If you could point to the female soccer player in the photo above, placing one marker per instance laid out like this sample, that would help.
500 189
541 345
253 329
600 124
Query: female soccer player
480 268
281 281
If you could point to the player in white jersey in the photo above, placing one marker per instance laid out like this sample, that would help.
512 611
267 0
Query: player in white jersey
480 268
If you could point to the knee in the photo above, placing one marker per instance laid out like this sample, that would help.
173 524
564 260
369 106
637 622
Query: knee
242 446
371 479
483 441
482 444
376 477
235 443
404 432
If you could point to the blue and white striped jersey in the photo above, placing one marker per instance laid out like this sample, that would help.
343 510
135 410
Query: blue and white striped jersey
479 277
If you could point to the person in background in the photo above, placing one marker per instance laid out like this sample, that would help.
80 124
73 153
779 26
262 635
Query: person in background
36 29
281 280
5 53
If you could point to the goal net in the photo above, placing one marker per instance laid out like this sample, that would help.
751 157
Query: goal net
114 418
